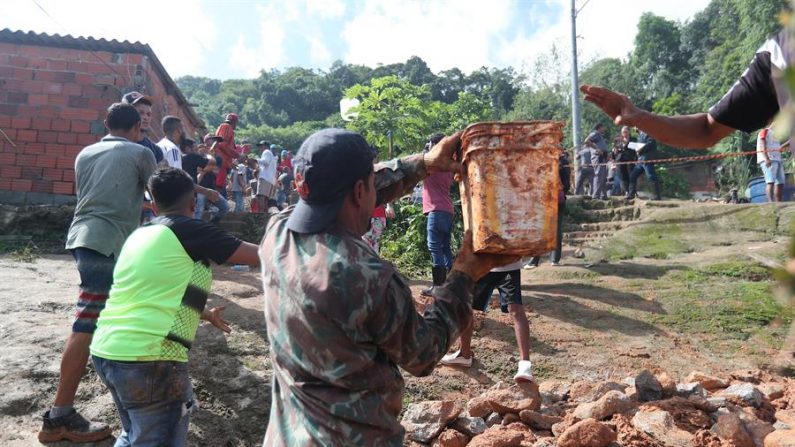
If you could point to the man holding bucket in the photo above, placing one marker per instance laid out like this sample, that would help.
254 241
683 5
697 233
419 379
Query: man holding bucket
341 320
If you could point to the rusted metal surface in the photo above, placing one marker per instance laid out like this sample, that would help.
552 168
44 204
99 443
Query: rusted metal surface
510 185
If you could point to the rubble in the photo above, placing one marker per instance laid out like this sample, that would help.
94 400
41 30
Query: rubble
649 410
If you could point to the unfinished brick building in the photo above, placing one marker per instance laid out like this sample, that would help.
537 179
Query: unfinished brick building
54 91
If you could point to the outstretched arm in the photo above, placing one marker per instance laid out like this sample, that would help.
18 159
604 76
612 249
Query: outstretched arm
698 131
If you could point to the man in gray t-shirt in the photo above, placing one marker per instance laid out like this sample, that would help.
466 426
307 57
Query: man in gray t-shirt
599 152
110 176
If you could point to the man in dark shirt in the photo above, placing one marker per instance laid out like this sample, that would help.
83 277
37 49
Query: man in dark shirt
192 161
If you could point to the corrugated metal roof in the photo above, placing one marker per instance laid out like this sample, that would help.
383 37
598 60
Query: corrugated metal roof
113 46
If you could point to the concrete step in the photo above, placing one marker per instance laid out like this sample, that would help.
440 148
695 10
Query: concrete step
622 213
598 226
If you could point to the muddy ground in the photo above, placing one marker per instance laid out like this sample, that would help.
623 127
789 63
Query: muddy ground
587 321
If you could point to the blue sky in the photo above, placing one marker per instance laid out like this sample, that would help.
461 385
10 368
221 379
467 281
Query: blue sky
236 39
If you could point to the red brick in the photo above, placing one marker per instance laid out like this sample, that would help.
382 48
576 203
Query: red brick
35 148
20 123
57 64
49 111
87 139
79 126
26 136
84 79
53 88
54 149
18 61
6 72
57 100
48 136
61 125
72 89
5 121
16 97
5 185
8 48
42 186
7 158
10 133
67 138
77 67
23 74
32 87
21 185
73 151
94 91
10 172
39 123
65 162
31 172
79 114
26 159
53 173
27 110
38 100
77 101
69 175
38 63
44 161
63 188
98 103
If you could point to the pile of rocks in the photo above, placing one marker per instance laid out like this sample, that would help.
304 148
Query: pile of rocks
743 409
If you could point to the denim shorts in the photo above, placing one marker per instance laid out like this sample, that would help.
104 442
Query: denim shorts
154 400
774 173
96 277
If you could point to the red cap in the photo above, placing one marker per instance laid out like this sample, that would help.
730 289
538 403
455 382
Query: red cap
231 117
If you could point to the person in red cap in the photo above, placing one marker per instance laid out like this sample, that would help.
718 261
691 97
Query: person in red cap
226 150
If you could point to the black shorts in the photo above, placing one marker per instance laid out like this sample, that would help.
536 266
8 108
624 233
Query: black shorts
509 284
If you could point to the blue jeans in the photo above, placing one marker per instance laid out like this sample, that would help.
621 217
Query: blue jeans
154 400
201 202
639 169
440 226
237 196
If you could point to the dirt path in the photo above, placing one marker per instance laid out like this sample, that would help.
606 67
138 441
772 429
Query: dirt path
586 323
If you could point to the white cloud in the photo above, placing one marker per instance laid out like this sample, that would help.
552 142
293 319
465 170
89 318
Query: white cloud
444 33
326 9
319 54
182 47
268 50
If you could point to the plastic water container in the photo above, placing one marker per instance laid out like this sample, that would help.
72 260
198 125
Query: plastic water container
240 268
510 186
756 190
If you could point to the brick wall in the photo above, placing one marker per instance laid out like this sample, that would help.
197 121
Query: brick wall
52 104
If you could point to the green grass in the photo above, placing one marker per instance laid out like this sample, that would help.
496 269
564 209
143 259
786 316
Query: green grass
738 269
711 305
649 241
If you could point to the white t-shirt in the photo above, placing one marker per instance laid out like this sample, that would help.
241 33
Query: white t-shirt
171 153
766 140
267 167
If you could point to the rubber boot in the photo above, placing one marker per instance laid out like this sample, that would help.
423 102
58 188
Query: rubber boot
657 194
439 275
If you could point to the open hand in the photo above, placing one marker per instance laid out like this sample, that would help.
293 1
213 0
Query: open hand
478 265
215 317
442 157
617 106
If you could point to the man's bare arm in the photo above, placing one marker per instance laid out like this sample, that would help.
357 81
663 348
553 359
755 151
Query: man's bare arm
698 131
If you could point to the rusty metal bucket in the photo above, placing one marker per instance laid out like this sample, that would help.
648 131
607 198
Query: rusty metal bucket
510 186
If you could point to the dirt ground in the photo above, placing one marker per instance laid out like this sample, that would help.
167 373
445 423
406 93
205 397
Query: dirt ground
586 322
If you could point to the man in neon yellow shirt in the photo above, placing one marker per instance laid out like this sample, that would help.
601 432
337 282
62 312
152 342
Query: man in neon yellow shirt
160 287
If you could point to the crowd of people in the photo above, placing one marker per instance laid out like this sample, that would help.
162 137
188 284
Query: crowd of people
340 320
604 171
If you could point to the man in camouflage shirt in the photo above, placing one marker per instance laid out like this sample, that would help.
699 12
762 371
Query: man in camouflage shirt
341 320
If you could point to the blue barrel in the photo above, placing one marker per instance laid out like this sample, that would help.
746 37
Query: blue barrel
756 190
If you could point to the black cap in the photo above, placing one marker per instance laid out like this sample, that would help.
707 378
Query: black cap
327 166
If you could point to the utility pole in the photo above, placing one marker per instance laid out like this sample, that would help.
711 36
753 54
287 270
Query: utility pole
575 86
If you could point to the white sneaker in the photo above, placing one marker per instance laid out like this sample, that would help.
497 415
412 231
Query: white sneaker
554 264
524 372
529 266
455 359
